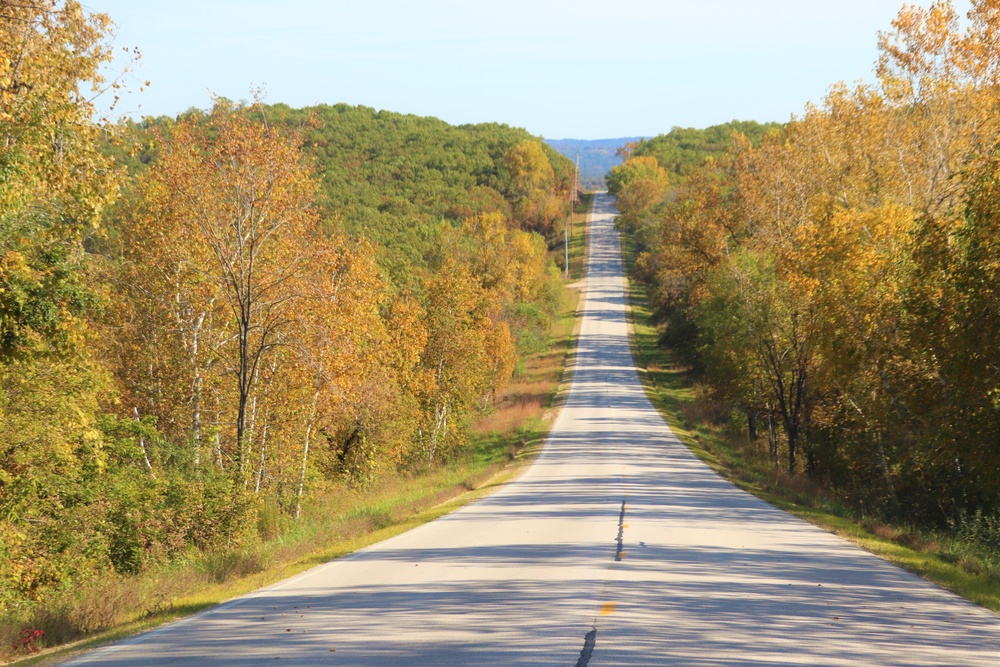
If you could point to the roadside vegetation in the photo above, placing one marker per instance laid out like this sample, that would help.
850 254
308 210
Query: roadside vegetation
816 306
238 341
333 524
962 562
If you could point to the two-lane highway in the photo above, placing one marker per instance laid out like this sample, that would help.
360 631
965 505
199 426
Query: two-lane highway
617 547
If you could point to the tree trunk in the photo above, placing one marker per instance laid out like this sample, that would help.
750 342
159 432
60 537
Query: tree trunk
305 454
772 438
263 453
142 443
243 380
792 437
196 390
263 438
440 428
197 386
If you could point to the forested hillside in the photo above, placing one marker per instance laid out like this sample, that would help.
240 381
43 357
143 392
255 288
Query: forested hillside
206 319
683 149
596 156
836 284
395 178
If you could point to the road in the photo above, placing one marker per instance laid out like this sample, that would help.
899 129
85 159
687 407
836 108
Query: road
617 547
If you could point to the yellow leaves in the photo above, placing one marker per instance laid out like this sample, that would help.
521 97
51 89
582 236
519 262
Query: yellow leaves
853 265
226 273
407 338
457 320
531 188
528 167
922 43
509 262
340 334
859 210
48 51
637 185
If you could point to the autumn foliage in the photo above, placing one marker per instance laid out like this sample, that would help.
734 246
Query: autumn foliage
835 280
207 320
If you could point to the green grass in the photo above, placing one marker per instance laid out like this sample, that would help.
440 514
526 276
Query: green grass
344 520
577 238
672 389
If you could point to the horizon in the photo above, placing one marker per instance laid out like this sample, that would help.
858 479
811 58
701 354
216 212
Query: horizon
667 64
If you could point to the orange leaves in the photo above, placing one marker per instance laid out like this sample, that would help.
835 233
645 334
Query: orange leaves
259 326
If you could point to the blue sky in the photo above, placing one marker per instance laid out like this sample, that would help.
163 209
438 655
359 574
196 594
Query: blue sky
581 69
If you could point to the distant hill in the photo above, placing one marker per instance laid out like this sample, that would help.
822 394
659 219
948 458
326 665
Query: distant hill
596 157
684 148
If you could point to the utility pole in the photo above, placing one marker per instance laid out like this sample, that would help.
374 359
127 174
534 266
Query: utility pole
566 242
568 231
576 179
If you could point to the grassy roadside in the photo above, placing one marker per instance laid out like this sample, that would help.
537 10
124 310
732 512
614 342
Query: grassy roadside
344 520
672 389
576 228
578 236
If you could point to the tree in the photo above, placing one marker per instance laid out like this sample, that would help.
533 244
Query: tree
458 356
535 203
341 340
759 334
236 190
840 268
55 183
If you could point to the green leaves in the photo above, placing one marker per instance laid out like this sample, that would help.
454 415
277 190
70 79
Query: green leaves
842 272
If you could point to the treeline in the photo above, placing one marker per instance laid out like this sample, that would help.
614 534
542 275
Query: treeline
837 285
683 149
395 178
204 319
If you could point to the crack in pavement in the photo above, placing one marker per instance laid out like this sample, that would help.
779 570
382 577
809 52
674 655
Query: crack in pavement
619 553
588 648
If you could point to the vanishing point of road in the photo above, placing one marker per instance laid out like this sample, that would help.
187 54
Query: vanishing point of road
617 547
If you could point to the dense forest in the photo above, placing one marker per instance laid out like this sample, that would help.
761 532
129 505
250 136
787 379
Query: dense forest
205 319
834 281
683 149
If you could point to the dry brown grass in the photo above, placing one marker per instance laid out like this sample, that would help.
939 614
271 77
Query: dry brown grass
510 415
527 396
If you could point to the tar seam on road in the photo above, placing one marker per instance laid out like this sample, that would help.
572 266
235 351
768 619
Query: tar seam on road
588 648
621 532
